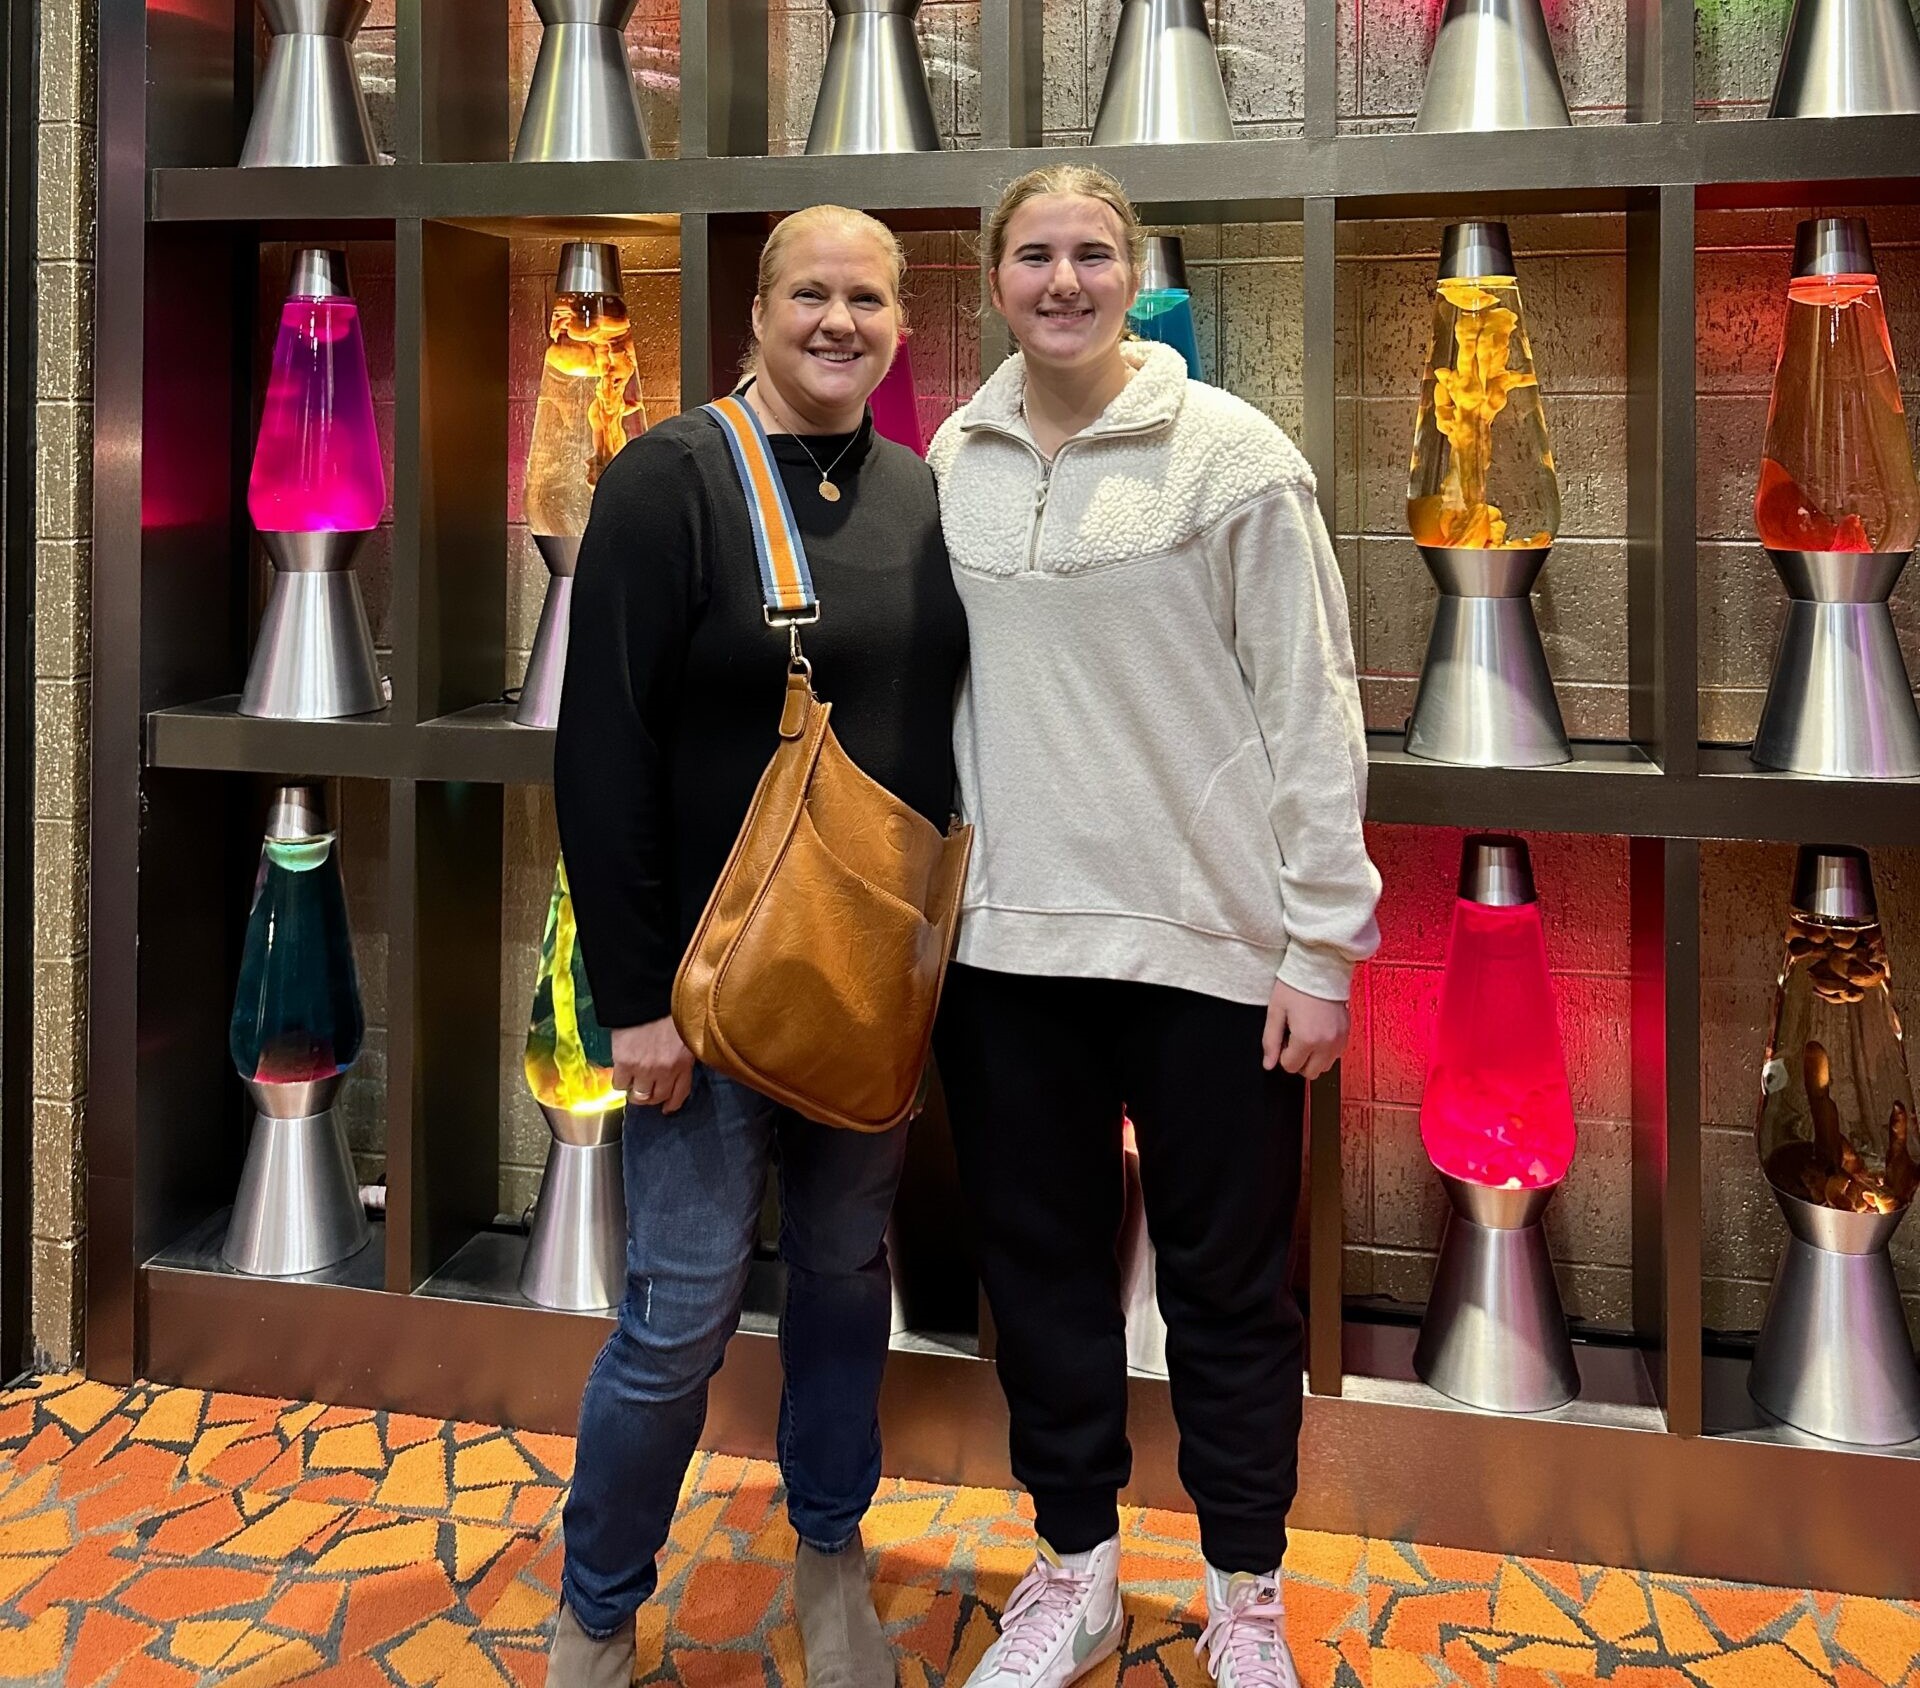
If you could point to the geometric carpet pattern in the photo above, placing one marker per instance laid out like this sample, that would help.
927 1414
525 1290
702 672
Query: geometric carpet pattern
165 1538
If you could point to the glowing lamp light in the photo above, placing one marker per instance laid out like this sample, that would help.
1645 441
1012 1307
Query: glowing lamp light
1483 506
1496 1110
576 1253
316 488
896 404
1163 309
1837 507
1497 1121
1836 1133
589 407
297 1027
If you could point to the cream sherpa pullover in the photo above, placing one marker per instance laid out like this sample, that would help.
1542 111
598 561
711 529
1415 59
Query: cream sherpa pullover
1160 743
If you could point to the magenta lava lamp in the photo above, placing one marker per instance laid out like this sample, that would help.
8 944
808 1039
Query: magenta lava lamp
896 404
1497 1121
316 491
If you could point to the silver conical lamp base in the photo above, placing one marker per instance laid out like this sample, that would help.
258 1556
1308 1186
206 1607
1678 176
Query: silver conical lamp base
582 105
577 1255
1492 68
1494 1335
1840 702
873 93
310 110
1163 81
1139 1282
298 1207
1835 1356
1848 58
1486 698
313 659
539 704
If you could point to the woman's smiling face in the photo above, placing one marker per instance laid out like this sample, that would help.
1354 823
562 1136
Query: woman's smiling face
1064 283
828 328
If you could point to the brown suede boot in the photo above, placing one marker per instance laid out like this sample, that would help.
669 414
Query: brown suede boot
839 1631
577 1660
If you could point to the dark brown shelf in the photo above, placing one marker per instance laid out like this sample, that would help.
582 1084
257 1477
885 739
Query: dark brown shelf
213 735
483 744
1742 801
1585 168
1611 788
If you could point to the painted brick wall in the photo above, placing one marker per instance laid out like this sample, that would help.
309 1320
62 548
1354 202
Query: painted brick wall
63 665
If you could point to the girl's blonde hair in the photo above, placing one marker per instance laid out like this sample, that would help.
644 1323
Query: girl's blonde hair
839 220
1080 181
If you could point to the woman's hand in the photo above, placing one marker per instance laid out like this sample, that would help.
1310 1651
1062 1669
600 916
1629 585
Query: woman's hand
1305 1034
652 1065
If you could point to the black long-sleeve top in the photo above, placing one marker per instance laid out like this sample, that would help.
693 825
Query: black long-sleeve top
674 681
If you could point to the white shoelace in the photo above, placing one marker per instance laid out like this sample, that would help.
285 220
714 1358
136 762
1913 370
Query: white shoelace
1247 1632
1037 1614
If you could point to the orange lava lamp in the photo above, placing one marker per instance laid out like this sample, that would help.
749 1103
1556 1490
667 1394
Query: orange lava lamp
1837 508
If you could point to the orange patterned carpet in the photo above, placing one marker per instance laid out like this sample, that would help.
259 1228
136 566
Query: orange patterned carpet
162 1538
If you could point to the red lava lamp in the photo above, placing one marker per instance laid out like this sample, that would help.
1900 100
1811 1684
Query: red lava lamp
1837 508
1497 1121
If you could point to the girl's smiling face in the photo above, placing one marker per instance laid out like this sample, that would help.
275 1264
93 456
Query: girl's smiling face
1065 283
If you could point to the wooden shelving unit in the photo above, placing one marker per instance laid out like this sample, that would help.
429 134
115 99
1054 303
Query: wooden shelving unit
1626 1475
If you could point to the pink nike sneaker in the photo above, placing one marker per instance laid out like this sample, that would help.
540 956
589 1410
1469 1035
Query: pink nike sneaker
1245 1641
1063 1619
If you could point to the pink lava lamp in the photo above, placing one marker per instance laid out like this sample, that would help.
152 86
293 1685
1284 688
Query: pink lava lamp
896 404
316 489
1497 1121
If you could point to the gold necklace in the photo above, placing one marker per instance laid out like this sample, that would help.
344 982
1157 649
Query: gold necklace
826 489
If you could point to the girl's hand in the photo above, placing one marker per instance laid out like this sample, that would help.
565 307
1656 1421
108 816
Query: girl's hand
652 1065
1305 1034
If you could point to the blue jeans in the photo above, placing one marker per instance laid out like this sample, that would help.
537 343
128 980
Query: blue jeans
694 1183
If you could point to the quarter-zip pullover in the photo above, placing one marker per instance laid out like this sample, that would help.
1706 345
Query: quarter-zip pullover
1160 741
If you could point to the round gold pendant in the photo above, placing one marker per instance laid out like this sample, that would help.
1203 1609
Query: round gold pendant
829 492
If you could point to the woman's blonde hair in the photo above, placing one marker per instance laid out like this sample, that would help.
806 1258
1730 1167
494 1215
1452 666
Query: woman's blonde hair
841 220
1080 181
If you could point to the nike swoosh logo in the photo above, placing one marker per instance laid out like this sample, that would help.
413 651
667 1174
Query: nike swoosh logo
1085 1640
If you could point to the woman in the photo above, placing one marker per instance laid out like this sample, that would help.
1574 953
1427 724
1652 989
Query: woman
670 712
1160 749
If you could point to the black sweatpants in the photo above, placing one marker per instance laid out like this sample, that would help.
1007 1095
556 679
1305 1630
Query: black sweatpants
1038 1071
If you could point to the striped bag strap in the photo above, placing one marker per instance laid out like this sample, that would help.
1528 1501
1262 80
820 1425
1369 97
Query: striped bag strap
786 583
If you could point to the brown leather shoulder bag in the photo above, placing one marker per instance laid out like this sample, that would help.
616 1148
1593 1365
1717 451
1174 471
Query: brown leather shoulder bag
815 971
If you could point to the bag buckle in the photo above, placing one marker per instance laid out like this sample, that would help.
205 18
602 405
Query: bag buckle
793 621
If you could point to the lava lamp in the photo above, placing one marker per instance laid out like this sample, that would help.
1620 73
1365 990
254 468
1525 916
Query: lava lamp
1837 508
1848 58
1163 80
587 409
316 490
582 106
1840 1145
896 404
1496 1118
576 1255
873 94
1483 503
1492 68
310 111
297 1027
1139 1276
1163 309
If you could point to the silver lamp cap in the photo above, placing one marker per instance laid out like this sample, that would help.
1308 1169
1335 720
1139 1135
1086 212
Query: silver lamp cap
1833 882
1496 871
298 812
1832 246
1469 251
319 272
589 266
1166 264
